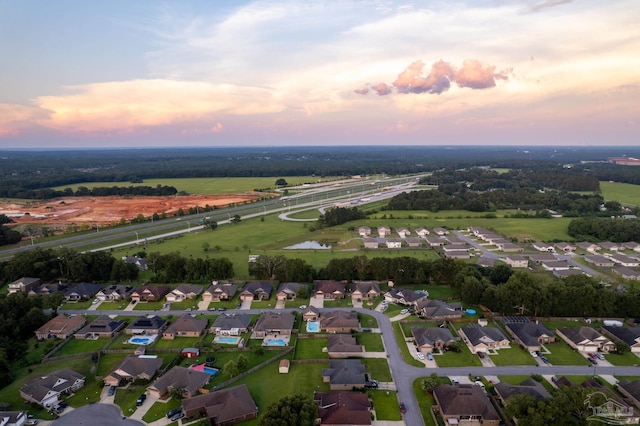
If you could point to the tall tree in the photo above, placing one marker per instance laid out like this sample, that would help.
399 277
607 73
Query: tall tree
292 410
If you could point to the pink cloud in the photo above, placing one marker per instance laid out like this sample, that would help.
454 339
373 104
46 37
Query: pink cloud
381 89
362 91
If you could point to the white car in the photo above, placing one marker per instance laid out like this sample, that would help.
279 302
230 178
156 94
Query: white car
404 311
303 306
533 354
420 355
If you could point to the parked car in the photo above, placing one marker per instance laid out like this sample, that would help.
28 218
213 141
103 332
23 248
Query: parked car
222 308
372 384
591 355
455 381
481 355
403 408
303 306
95 301
176 416
31 422
420 355
430 357
173 412
112 390
533 354
404 311
544 359
593 361
600 356
141 399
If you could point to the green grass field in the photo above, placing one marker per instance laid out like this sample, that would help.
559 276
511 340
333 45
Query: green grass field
624 193
563 354
205 186
425 402
311 348
378 369
513 356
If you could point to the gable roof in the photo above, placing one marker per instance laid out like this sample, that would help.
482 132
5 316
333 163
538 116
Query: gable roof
254 287
85 290
339 319
345 372
528 332
329 286
629 335
152 322
430 335
180 377
365 287
102 324
187 289
157 291
528 387
464 400
231 321
223 405
187 323
274 321
438 308
579 335
407 294
57 382
632 388
123 291
290 288
62 324
343 343
135 366
228 289
478 335
343 408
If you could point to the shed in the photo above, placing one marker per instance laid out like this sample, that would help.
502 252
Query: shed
190 353
283 368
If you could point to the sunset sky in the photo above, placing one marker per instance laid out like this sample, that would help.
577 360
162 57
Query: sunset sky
229 73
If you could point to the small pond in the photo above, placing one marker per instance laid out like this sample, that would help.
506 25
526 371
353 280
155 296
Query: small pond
309 245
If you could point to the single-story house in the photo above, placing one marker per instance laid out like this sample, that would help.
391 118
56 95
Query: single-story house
566 247
609 246
47 289
289 291
150 293
510 247
631 245
60 327
133 368
345 374
483 339
185 326
364 290
273 323
364 231
329 289
256 290
222 407
148 325
528 387
431 339
624 260
413 242
557 265
461 403
231 324
371 243
310 313
440 232
218 292
630 390
438 310
434 241
81 292
343 408
530 335
46 390
339 321
184 292
115 293
587 246
539 258
626 273
23 285
405 296
516 261
13 418
103 326
344 346
384 231
403 232
189 380
599 260
585 339
629 335
544 247
422 232
486 262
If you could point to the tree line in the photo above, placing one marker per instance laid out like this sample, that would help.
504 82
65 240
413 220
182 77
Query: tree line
8 235
83 191
339 215
617 230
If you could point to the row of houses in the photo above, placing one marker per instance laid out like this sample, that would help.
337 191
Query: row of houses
385 231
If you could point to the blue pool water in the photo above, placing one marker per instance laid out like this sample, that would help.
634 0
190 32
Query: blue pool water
141 340
313 326
275 342
212 371
227 340
471 311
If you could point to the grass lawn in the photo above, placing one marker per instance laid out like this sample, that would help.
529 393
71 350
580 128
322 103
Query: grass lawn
425 402
311 348
108 362
514 380
563 354
372 342
513 356
75 346
125 398
404 350
113 306
75 305
149 306
37 350
185 304
553 325
386 405
223 357
264 304
120 342
378 369
367 321
159 410
464 358
627 358
393 310
177 343
439 291
338 303
625 193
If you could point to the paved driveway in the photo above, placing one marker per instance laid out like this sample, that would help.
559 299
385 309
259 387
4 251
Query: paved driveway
95 415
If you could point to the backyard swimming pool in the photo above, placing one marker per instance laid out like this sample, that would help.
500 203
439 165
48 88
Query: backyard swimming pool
201 367
313 326
226 340
142 340
274 342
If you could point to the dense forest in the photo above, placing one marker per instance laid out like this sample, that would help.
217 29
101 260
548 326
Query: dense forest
83 191
24 171
617 230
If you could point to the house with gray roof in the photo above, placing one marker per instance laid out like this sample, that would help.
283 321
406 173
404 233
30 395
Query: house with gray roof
189 380
629 335
431 339
185 326
529 387
339 321
219 292
23 285
585 339
458 404
46 390
530 335
231 324
405 296
631 390
184 292
310 313
289 291
47 289
626 273
344 346
256 290
13 418
599 260
103 326
438 310
81 292
222 407
345 374
133 368
271 322
148 325
483 339
372 243
114 293
365 290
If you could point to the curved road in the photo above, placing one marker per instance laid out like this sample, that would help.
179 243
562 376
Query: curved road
403 374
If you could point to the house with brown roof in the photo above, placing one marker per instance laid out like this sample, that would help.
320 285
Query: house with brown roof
344 346
329 289
256 290
585 339
405 296
222 407
458 404
189 380
343 408
345 374
60 327
46 390
150 293
529 387
219 292
271 322
231 324
103 326
133 368
483 339
339 321
148 325
431 339
364 290
185 326
184 292
289 291
23 285
115 293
